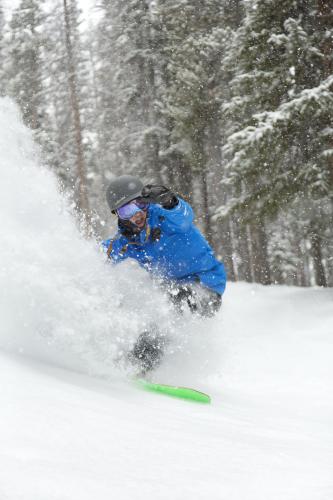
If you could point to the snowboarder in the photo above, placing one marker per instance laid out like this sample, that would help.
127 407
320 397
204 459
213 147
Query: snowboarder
155 227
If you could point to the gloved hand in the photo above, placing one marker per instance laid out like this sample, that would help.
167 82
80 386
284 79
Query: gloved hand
159 194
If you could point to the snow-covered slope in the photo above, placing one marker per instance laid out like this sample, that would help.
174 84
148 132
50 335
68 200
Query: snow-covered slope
71 425
267 434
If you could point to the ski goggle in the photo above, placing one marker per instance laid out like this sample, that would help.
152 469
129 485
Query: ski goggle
127 211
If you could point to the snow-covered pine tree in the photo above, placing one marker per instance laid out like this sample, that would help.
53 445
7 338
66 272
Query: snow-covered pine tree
193 39
24 74
128 129
70 16
281 108
90 97
67 89
231 238
2 55
107 116
286 248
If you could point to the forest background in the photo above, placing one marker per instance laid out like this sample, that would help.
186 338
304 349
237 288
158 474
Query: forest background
228 102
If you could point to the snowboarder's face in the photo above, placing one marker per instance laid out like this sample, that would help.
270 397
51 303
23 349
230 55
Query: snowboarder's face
139 219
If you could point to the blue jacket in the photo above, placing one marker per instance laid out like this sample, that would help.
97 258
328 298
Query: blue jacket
180 254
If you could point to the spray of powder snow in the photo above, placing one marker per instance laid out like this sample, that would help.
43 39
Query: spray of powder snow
60 301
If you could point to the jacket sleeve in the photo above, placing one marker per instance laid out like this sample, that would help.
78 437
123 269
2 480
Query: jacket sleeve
177 219
113 249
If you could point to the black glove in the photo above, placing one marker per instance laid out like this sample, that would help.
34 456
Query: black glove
161 195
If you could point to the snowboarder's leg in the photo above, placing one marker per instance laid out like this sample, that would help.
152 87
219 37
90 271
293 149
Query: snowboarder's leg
181 297
148 350
208 302
200 300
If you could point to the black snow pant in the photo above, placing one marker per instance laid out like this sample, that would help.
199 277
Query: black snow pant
149 347
198 299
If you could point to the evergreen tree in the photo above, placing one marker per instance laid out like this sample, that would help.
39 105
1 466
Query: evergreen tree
278 149
128 127
192 49
285 250
67 88
280 110
194 38
2 55
70 22
24 73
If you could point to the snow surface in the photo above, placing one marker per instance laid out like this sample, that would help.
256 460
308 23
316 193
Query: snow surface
72 426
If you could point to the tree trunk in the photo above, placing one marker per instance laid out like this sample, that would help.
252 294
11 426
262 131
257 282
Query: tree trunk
316 244
301 276
82 203
261 271
206 217
183 173
226 248
330 270
241 243
200 169
329 252
221 230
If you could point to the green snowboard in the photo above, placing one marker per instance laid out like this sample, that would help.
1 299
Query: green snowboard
174 391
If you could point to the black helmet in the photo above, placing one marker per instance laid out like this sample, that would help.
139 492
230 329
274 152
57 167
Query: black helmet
122 190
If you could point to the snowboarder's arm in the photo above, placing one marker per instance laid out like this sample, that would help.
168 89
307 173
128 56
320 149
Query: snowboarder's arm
179 218
177 214
113 249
